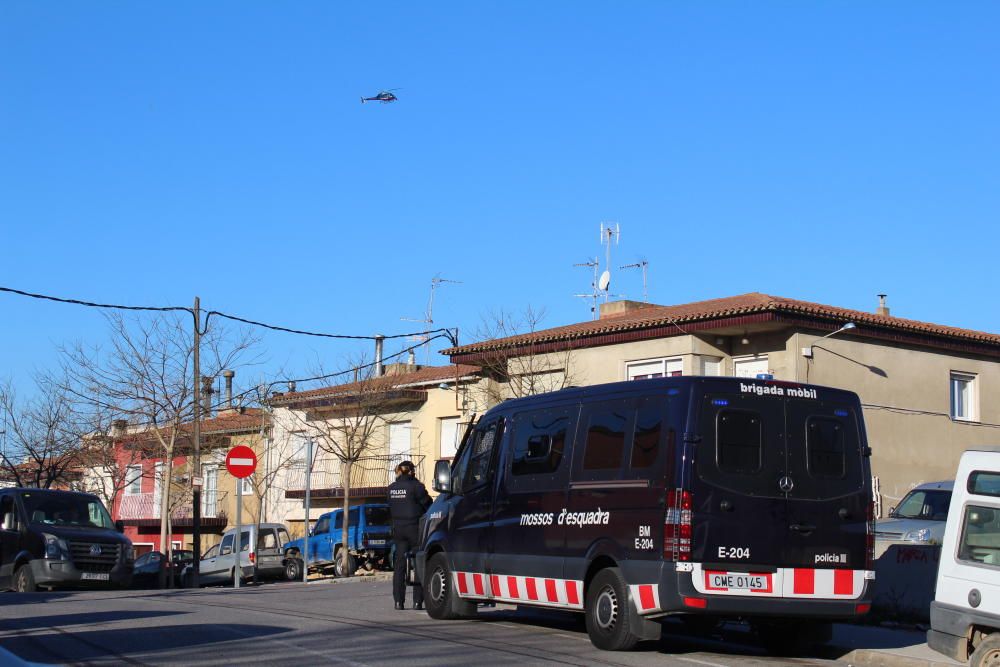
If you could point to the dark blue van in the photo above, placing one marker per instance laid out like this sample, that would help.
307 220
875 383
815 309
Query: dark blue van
629 502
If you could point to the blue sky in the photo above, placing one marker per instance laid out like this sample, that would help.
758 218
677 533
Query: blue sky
826 151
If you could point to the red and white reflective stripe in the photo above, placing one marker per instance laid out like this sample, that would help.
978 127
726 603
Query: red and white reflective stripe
646 597
792 582
544 591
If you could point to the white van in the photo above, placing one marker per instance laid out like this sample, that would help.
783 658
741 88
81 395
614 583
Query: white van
965 614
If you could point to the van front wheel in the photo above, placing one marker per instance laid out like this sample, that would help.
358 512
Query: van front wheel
987 652
440 595
24 580
607 612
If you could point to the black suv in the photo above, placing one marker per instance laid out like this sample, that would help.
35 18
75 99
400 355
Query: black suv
60 538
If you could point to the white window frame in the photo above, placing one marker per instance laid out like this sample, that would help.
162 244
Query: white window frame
130 480
746 358
246 486
210 493
667 367
971 412
452 449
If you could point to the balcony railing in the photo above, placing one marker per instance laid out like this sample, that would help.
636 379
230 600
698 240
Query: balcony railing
371 474
138 506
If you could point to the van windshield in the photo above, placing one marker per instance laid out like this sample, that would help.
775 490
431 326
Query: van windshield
51 508
920 504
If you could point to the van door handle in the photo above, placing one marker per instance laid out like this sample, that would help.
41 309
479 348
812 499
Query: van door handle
803 528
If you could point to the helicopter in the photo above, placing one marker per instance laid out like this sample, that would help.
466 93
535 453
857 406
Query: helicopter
384 96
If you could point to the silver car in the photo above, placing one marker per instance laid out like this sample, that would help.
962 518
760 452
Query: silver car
218 564
919 519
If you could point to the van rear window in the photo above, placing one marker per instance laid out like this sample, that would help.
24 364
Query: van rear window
738 441
984 483
825 452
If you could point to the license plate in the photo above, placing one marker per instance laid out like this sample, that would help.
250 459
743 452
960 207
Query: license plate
377 543
738 581
95 576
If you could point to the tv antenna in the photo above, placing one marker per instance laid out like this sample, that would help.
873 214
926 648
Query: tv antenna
594 293
608 233
644 265
428 318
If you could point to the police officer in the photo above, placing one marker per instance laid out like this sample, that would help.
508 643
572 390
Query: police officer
408 500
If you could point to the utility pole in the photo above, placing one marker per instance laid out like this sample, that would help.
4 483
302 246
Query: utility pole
308 508
196 472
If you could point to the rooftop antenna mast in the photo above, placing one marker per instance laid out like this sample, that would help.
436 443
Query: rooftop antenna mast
428 319
594 293
608 233
644 265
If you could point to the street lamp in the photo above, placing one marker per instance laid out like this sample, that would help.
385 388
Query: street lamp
807 352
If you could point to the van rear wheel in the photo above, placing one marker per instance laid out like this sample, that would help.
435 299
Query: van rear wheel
440 595
607 612
987 653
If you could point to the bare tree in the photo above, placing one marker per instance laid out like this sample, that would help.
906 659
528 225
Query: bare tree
519 367
146 376
350 424
42 438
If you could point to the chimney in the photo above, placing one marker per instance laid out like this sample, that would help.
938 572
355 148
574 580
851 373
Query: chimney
291 386
119 428
228 374
206 396
618 308
882 308
411 361
379 340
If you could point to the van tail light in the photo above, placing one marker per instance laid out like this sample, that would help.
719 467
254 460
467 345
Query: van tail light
677 532
870 537
253 558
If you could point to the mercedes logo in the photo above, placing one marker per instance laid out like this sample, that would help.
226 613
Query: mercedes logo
786 484
95 549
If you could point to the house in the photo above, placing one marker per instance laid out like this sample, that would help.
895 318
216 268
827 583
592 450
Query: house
929 391
407 412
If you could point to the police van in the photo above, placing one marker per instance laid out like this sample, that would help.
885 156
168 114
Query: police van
629 502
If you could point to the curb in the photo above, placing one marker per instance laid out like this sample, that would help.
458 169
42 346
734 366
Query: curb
872 658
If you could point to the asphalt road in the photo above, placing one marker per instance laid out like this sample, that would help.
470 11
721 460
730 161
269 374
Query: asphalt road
344 623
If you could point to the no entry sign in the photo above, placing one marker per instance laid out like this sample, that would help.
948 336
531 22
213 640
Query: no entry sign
241 461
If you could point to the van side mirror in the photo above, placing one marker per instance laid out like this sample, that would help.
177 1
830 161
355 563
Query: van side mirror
120 526
442 476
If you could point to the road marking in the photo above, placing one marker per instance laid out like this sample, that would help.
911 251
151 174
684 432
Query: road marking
292 646
701 662
559 634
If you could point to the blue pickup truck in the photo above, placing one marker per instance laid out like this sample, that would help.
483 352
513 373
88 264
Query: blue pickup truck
369 541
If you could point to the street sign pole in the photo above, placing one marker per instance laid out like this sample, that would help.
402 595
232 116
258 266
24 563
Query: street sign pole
305 540
238 570
241 461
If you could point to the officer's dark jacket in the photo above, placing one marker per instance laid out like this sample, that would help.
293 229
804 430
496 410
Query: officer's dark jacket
408 500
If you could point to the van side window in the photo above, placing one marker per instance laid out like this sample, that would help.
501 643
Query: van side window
648 429
738 441
825 454
606 432
984 483
539 442
8 512
477 465
227 545
980 541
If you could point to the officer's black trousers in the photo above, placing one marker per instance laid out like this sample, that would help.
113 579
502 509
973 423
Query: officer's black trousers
406 539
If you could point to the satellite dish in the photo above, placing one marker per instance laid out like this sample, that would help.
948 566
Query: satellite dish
605 282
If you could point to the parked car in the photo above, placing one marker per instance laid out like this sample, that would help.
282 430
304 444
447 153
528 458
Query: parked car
266 560
369 539
918 519
965 613
51 539
146 573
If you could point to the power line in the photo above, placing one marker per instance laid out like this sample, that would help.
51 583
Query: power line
91 304
926 413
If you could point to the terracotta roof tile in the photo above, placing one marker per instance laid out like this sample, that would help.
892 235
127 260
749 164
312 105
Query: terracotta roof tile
743 304
395 381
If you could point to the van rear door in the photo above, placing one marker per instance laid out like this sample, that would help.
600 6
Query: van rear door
779 482
740 515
